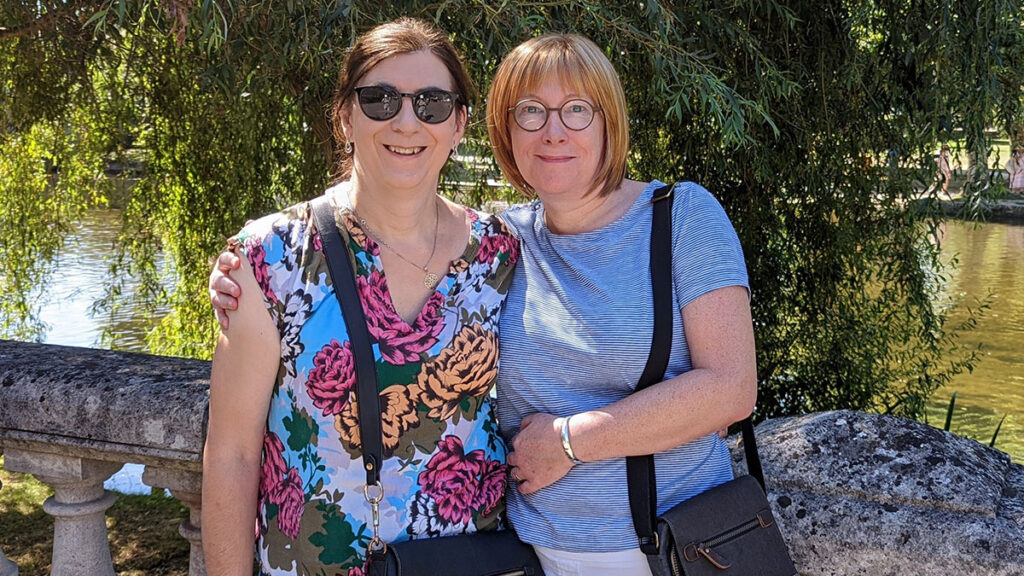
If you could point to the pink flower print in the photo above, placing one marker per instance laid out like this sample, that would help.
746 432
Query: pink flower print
399 342
493 480
273 469
318 243
332 378
290 502
281 486
450 480
491 245
257 258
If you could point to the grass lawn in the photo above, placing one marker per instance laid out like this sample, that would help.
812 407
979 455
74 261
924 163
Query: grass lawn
143 530
996 159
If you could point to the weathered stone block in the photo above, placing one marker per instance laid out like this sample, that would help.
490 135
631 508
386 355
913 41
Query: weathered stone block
97 403
863 494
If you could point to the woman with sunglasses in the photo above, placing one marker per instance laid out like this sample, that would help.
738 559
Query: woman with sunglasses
576 332
283 451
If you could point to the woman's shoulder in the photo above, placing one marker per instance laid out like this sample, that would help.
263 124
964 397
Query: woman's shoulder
691 200
487 224
521 217
285 227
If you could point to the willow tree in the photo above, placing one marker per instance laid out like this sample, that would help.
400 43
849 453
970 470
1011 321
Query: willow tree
813 122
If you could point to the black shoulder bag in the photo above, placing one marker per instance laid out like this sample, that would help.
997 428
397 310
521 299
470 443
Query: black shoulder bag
497 553
728 530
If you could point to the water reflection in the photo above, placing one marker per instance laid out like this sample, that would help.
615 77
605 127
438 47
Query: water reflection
991 260
80 276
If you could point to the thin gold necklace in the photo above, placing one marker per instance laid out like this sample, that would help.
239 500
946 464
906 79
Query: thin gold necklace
430 279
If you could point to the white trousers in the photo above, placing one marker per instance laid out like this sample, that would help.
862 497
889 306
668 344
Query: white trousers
626 563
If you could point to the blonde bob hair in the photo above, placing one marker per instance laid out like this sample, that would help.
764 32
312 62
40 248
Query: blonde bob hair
581 66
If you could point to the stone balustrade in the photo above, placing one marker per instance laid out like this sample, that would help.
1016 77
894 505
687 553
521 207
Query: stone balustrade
854 493
72 417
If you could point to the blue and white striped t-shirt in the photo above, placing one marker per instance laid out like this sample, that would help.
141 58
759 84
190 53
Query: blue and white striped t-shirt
575 336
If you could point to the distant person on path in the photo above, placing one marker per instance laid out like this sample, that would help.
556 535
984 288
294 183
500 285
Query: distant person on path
945 173
1015 168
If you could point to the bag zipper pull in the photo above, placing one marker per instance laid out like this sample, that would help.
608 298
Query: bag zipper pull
713 557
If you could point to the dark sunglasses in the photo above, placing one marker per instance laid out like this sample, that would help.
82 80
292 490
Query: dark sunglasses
381 103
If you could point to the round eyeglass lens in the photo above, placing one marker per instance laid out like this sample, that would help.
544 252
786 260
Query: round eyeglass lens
378 103
576 114
434 106
532 115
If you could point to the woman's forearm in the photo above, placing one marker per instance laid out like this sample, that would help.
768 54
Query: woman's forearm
664 416
229 514
720 389
241 383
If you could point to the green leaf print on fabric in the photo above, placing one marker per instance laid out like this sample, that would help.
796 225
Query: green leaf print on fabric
389 374
422 439
491 427
339 544
478 317
326 542
489 521
302 430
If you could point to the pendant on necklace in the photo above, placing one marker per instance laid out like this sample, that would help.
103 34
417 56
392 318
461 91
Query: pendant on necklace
430 280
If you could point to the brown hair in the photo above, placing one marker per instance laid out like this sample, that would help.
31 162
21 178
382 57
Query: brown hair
581 65
402 36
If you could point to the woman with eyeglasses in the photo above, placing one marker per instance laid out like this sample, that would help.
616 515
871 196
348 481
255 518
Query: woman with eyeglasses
576 330
283 454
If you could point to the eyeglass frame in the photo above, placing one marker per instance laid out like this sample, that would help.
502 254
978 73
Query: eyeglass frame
547 113
401 101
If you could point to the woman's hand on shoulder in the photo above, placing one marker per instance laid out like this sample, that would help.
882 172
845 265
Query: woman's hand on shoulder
224 291
537 459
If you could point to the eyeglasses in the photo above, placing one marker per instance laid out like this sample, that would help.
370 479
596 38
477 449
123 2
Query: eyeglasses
381 103
532 115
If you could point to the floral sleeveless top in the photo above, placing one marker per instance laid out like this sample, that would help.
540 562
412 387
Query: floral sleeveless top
444 470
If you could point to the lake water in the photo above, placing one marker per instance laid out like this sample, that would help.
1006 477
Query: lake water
991 260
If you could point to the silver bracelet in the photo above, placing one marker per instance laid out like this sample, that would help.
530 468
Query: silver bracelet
566 446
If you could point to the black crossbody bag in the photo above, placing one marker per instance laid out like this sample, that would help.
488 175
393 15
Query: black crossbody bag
728 530
497 553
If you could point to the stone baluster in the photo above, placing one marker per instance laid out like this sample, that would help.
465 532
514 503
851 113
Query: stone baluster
186 486
78 506
7 568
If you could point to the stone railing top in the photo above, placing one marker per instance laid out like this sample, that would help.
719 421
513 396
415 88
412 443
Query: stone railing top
891 461
145 409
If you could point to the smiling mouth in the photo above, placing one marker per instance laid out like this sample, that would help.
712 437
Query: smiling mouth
405 151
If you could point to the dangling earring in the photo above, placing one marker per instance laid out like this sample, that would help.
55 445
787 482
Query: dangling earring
348 146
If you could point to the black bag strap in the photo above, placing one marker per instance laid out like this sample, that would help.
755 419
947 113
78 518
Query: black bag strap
339 266
640 474
643 487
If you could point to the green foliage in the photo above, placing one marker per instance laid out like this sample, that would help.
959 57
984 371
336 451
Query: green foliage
949 420
949 412
813 122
